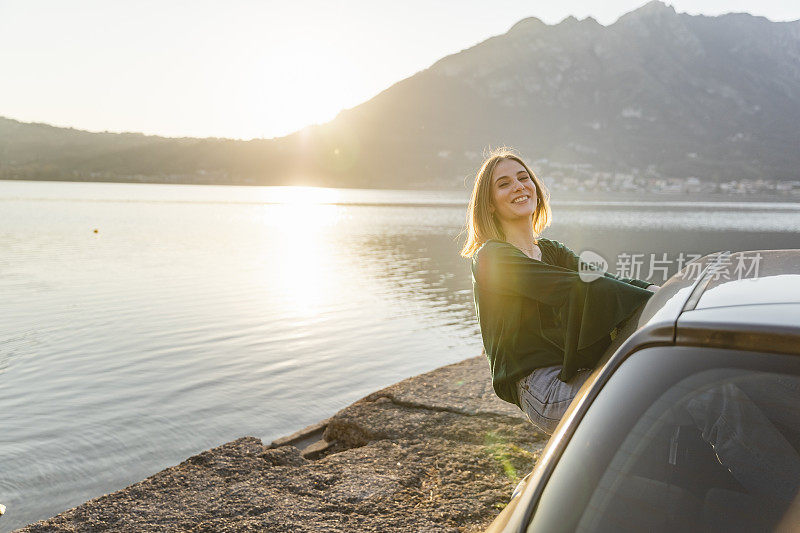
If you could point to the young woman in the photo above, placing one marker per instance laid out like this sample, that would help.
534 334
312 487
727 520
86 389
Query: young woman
543 327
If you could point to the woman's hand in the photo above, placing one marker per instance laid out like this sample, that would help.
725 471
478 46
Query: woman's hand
653 288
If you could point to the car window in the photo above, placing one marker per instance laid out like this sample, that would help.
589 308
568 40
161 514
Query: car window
682 439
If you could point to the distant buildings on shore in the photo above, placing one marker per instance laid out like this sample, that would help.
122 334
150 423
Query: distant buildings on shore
581 178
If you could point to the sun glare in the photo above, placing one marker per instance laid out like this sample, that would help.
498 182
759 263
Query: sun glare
300 221
298 99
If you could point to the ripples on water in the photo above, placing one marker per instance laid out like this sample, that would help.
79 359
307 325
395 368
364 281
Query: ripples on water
200 314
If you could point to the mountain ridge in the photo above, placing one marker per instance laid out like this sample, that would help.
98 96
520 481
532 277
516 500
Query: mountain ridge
656 93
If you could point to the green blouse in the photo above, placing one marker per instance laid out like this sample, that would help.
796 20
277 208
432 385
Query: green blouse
540 313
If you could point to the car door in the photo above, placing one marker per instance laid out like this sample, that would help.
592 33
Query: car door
681 439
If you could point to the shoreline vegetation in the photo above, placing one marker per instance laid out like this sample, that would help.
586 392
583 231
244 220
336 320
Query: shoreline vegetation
435 452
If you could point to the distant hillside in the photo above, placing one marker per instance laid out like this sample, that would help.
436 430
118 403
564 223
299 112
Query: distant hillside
656 93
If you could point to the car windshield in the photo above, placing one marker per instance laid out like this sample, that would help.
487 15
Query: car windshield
683 439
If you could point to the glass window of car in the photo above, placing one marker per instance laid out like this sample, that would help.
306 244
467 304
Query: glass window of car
682 439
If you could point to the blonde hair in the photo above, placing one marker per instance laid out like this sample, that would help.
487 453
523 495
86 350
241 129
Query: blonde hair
481 224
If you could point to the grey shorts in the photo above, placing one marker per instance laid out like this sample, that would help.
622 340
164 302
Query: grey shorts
544 398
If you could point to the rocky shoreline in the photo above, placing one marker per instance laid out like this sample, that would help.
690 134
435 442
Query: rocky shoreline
435 452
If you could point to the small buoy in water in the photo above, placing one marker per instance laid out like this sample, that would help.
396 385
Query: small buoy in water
95 230
2 509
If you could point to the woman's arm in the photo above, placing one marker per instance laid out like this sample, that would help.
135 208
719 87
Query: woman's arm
569 259
587 311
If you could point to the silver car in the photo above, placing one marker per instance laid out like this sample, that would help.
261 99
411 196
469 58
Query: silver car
693 424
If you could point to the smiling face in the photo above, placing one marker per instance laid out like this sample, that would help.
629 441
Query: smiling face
513 192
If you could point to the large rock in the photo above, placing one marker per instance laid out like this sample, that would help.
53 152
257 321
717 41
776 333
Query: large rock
462 387
382 419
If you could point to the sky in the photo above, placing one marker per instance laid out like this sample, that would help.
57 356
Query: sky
251 69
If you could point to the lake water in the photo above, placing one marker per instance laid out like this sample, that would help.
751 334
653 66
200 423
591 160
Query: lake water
141 324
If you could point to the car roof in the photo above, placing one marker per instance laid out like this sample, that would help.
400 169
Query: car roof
756 277
740 300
